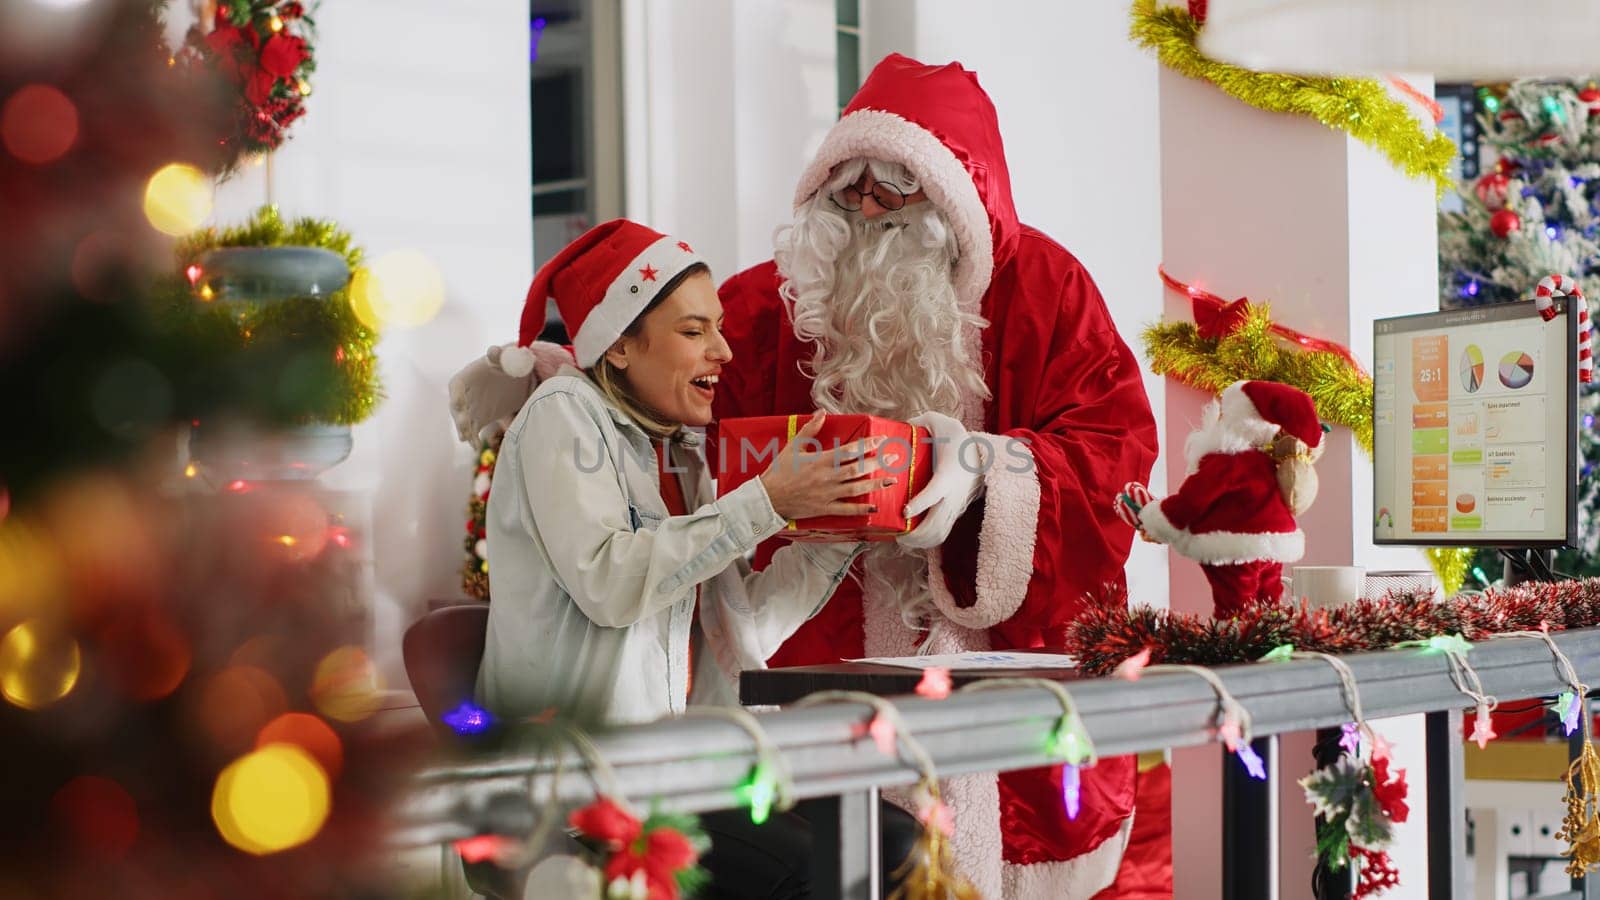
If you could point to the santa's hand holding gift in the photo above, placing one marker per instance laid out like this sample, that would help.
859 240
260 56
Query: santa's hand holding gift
1250 474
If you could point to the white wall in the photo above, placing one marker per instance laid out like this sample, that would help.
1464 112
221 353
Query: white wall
1080 121
416 137
722 115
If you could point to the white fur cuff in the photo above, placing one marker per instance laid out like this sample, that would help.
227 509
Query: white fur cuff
1005 542
1222 548
1078 878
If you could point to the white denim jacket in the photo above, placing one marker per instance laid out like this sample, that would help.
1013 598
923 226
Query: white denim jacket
593 584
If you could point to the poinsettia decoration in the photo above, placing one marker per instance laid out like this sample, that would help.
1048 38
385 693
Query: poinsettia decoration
626 859
1358 802
260 50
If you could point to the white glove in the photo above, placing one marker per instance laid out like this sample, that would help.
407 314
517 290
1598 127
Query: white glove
959 459
484 395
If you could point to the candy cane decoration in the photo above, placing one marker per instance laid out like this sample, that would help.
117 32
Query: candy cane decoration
1134 497
1553 286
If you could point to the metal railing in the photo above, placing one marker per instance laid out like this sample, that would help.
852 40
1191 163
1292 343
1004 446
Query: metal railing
695 764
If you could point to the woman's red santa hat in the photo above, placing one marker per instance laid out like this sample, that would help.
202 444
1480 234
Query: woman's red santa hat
601 282
1272 407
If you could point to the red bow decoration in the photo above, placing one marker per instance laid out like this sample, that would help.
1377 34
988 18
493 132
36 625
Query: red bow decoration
1217 318
1215 321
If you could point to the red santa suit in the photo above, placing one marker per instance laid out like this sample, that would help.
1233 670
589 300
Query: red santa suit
1230 514
1019 563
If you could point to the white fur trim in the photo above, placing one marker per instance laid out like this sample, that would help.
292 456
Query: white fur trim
1005 543
628 295
1222 548
516 361
875 134
1078 878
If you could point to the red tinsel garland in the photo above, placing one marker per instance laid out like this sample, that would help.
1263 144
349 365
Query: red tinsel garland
1108 631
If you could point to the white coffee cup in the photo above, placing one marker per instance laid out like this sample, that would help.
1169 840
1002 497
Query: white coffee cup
1325 586
1380 584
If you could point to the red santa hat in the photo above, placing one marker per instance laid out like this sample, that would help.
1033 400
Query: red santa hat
601 282
1278 405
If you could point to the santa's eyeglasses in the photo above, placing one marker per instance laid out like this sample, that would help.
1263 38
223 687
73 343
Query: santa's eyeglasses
887 196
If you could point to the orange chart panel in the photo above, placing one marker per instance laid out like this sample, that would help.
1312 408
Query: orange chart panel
1427 368
1430 468
1429 519
1430 415
1428 493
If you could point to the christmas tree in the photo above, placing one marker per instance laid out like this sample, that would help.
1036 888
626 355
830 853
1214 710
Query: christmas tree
1536 213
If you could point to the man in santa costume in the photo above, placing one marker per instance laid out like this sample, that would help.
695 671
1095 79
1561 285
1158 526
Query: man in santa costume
907 288
1249 475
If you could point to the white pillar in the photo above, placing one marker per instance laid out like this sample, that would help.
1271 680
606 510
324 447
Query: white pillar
1286 210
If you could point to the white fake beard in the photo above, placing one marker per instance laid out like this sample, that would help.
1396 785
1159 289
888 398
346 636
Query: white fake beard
876 299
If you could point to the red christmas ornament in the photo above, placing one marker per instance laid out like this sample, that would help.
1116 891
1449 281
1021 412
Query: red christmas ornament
1508 114
1549 139
1491 190
1505 166
1504 222
1591 98
1197 11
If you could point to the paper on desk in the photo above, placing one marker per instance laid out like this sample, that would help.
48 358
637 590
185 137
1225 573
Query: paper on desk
978 659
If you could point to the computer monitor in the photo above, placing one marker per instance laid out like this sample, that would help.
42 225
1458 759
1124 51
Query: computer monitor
1474 428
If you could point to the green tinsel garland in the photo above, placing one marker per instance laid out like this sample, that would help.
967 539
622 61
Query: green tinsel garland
1359 107
353 390
1343 393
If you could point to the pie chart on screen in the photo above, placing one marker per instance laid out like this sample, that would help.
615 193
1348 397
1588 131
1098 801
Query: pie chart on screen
1472 368
1516 369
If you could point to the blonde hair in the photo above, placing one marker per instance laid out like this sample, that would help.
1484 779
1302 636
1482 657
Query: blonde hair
612 382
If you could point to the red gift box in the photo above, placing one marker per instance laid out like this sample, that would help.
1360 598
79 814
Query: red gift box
747 446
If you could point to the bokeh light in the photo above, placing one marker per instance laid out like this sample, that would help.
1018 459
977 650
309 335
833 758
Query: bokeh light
32 576
402 289
97 815
294 524
38 664
178 199
270 799
236 703
310 734
146 654
346 685
38 124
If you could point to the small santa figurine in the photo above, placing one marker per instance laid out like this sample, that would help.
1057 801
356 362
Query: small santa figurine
1250 474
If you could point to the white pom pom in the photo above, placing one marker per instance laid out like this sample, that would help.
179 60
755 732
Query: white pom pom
480 485
481 548
516 361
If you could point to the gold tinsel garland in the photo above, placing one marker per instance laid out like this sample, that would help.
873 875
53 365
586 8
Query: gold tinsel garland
1580 827
1359 107
1342 393
929 872
357 387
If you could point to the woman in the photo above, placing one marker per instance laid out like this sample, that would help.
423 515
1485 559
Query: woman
619 580
606 574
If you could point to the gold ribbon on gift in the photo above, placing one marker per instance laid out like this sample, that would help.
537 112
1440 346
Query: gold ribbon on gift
794 426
